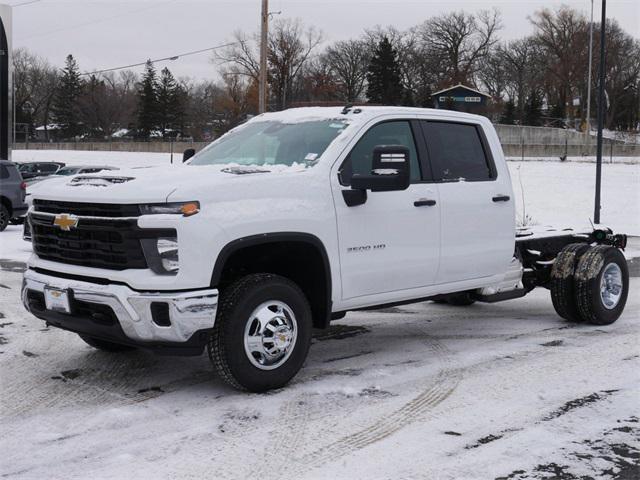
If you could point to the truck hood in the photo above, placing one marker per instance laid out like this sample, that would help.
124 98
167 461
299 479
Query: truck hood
156 184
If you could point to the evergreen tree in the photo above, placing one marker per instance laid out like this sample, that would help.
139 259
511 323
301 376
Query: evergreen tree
170 103
148 101
533 109
65 102
509 113
383 75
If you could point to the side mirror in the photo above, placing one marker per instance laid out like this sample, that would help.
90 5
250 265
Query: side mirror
188 153
390 170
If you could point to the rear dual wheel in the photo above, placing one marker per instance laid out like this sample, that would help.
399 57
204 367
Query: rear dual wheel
590 284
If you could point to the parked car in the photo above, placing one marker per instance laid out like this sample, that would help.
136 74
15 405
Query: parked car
293 219
39 169
12 193
72 170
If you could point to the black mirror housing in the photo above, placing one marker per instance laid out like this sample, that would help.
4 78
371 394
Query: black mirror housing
188 153
390 170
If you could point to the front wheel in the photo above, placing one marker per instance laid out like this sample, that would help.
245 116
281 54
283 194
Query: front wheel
262 332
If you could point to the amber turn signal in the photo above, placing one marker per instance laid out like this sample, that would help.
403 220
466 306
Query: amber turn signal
189 209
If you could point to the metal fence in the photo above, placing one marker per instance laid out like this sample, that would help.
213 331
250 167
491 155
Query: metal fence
516 142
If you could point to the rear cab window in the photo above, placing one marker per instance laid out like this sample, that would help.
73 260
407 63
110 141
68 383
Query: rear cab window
457 152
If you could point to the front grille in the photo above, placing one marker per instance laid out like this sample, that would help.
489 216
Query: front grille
112 244
87 209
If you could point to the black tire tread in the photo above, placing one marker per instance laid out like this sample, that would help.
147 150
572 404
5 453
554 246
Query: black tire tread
231 296
584 291
5 217
562 285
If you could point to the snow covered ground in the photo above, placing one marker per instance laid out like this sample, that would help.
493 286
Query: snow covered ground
423 391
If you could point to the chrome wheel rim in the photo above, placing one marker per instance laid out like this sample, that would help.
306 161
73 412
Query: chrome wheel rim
270 335
611 286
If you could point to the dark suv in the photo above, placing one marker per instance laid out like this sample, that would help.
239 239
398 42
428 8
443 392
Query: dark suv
12 193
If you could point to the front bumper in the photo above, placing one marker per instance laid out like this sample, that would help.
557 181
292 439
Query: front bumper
116 313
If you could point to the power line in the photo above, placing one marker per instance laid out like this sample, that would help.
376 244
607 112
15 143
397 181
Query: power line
173 57
92 22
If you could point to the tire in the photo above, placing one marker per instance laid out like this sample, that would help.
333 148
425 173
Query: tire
602 285
4 217
104 345
463 299
562 284
236 332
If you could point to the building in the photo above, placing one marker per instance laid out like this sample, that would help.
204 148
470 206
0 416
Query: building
462 99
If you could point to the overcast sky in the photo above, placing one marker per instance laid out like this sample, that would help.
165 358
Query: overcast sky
110 33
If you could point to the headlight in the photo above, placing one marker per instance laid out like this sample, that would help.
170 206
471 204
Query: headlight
176 208
168 252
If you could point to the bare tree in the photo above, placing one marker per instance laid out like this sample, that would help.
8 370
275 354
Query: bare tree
460 41
523 69
348 62
35 82
291 45
563 37
493 74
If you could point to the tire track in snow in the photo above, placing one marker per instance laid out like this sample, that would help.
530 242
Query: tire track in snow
297 415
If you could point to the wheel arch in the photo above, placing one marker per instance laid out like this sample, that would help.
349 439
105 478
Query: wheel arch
255 253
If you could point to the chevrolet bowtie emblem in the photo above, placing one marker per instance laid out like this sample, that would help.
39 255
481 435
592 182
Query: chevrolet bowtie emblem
65 222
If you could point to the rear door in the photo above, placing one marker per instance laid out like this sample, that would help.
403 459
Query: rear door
477 211
392 241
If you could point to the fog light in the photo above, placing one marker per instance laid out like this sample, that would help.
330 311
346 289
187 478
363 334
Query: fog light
168 251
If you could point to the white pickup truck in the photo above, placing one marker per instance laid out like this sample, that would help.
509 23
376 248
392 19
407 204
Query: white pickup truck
291 220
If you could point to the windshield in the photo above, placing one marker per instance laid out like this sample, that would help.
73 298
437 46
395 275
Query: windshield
272 143
67 171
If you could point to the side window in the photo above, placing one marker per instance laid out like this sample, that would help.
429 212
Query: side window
456 152
4 172
388 133
47 167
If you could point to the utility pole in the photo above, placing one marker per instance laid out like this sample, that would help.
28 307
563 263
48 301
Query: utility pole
601 109
589 75
264 35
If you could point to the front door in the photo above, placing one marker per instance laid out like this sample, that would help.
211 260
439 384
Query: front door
392 241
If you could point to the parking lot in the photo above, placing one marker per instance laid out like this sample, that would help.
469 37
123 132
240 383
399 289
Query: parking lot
489 391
